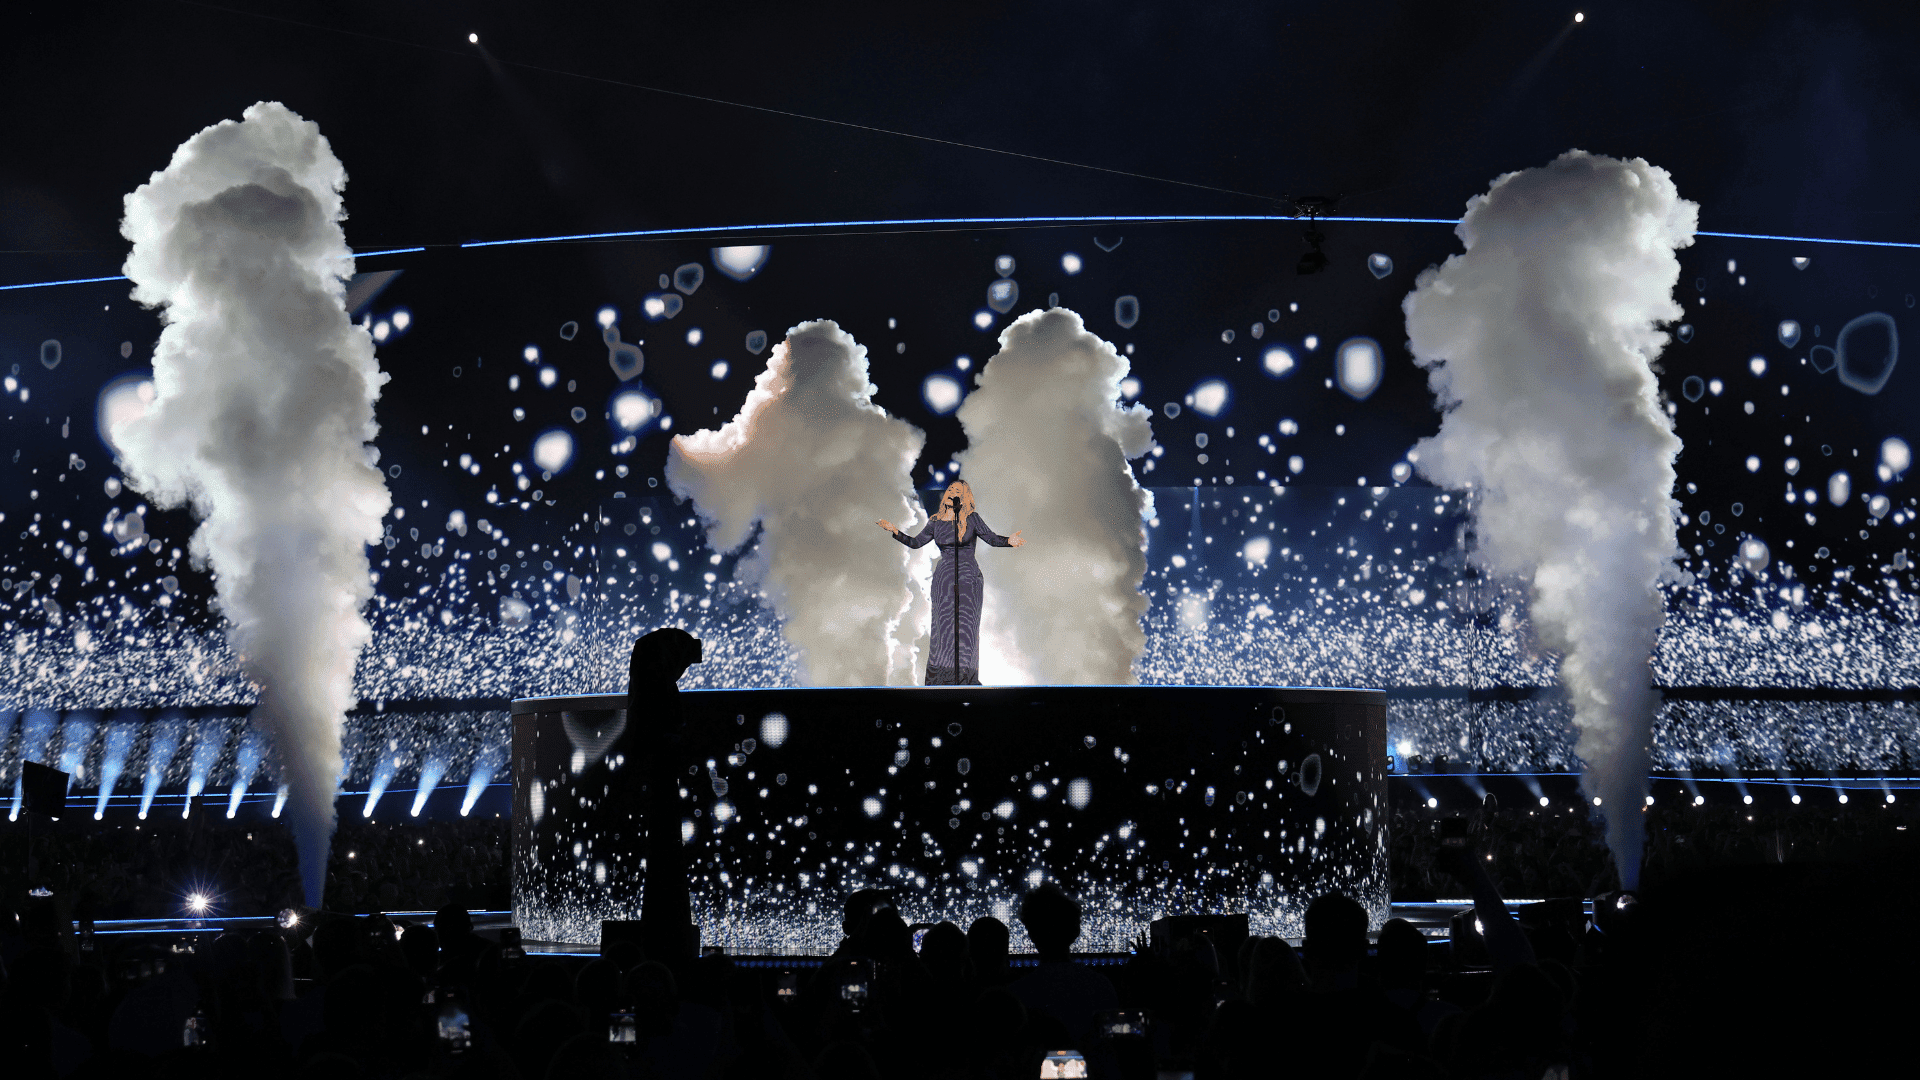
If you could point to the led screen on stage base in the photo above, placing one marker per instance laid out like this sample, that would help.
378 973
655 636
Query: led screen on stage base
1139 801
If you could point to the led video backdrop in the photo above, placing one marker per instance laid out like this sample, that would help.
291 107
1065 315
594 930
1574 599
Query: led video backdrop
1293 540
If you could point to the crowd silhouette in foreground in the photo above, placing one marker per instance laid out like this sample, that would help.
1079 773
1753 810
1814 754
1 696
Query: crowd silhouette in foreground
366 995
1760 934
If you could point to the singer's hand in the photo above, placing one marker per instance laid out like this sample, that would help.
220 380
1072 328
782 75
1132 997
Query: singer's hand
1015 541
887 525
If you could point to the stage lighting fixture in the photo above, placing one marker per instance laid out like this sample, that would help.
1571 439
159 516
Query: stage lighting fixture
1311 207
198 903
288 918
1579 17
473 39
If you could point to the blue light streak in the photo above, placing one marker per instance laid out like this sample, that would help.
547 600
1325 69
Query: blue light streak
980 222
1094 219
68 281
123 277
1808 239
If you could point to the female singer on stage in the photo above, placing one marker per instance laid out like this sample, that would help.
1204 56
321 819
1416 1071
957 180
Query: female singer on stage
954 659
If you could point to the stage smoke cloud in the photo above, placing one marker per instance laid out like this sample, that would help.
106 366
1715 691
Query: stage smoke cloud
1048 444
1540 342
261 420
813 463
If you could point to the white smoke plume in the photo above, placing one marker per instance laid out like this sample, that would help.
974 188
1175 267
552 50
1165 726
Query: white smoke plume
1048 444
1540 341
813 462
261 419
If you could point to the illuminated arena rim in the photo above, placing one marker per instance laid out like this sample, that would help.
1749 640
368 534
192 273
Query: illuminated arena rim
1140 800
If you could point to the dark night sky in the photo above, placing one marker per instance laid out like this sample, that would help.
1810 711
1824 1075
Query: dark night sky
1776 117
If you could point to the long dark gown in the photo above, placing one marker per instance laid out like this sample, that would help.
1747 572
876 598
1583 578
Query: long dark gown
956 606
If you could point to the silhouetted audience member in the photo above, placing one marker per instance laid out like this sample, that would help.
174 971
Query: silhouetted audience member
453 928
988 944
944 952
1402 954
420 945
597 990
1344 1016
682 1037
1068 992
1274 974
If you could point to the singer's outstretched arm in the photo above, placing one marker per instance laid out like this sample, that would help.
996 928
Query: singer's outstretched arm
991 537
922 540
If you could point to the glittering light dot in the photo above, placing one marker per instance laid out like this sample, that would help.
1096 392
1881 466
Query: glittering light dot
1210 397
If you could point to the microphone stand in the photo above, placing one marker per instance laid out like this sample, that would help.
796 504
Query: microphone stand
957 524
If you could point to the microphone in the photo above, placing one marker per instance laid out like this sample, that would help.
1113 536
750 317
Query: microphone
954 502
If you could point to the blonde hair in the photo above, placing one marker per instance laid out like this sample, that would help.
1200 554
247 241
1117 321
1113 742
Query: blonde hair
945 512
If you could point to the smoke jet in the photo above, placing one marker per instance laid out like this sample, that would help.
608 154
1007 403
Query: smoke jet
813 463
1540 341
1048 446
262 420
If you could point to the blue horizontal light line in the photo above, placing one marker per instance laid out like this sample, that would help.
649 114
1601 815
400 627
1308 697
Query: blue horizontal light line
1096 219
68 281
123 277
1809 239
1092 219
984 221
1082 219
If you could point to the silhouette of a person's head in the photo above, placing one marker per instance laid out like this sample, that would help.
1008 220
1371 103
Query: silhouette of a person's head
1052 919
861 905
987 941
1336 941
1403 956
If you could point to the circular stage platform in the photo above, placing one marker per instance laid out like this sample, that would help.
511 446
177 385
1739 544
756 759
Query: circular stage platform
1141 801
